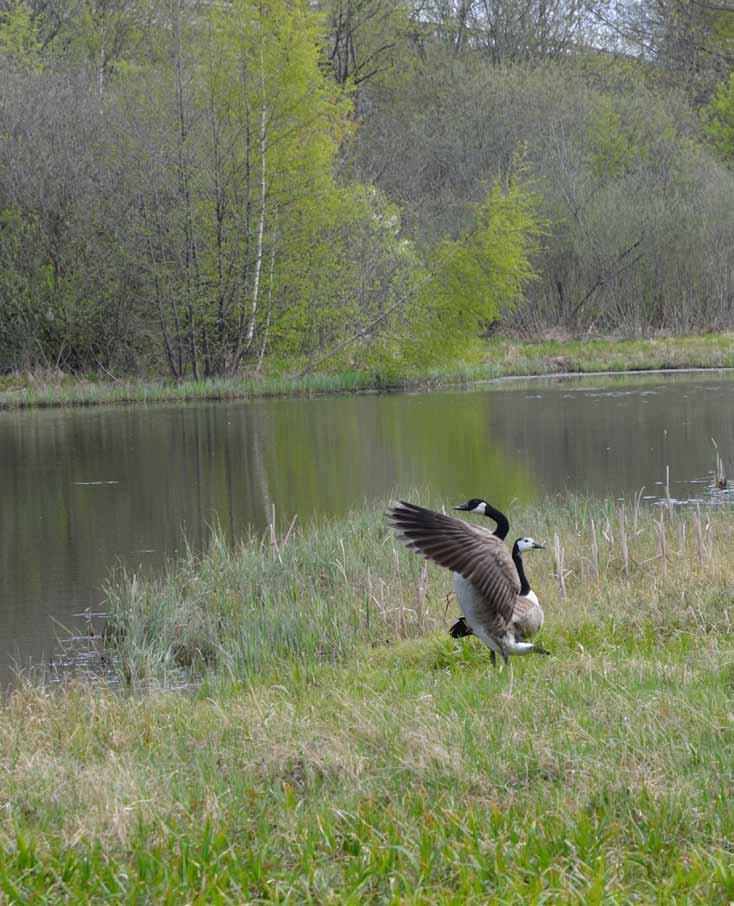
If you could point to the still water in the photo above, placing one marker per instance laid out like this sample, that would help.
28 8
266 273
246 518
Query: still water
84 490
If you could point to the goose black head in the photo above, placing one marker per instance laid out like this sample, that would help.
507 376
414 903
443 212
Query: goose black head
475 505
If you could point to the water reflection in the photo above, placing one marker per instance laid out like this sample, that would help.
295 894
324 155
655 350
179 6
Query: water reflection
85 489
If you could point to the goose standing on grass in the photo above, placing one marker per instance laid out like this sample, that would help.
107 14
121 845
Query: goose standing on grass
477 505
487 580
528 615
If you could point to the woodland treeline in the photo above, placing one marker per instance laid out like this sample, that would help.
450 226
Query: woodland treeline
209 188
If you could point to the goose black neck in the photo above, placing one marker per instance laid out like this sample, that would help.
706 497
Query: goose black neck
503 526
517 557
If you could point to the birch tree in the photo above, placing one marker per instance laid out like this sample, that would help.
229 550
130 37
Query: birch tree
279 122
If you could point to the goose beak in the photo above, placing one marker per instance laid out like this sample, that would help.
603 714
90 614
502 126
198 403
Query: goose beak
462 506
539 547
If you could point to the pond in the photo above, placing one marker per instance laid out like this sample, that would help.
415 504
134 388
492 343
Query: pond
83 490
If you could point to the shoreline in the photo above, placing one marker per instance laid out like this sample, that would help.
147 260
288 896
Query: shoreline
496 361
576 374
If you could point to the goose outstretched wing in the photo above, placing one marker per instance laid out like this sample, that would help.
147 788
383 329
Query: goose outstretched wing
473 552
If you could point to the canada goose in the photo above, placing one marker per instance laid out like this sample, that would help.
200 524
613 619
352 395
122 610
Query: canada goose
486 580
528 615
477 505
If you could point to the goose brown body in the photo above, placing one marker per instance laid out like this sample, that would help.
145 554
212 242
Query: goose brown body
486 580
527 616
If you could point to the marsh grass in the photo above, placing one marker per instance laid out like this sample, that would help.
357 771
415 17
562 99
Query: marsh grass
317 593
486 360
339 747
715 350
311 594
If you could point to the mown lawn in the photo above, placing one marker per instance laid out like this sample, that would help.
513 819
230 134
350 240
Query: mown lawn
380 761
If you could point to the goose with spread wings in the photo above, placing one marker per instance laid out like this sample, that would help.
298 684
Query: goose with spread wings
486 580
460 629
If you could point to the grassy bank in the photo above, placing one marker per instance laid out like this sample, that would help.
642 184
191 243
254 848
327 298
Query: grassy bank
497 358
338 747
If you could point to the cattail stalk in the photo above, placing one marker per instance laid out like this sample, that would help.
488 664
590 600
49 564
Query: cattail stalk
594 551
559 556
623 541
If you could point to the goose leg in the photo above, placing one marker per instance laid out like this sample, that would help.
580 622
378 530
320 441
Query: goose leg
494 644
503 650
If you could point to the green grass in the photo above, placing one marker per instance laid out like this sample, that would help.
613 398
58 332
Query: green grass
582 356
497 358
336 746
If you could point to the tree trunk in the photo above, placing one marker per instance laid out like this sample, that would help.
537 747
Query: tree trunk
189 242
263 200
266 331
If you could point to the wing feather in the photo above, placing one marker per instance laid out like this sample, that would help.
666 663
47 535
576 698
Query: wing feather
473 552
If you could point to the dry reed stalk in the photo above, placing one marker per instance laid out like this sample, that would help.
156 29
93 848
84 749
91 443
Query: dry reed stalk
623 541
636 509
273 534
274 543
559 556
379 602
421 590
708 540
342 564
608 532
448 604
682 527
719 470
700 541
668 498
662 542
368 602
594 551
401 608
290 529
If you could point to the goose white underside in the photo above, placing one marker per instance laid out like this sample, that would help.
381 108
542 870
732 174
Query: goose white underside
473 606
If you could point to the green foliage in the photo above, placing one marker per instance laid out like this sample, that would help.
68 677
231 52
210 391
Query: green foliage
475 278
613 144
256 125
366 41
362 271
107 32
211 189
718 117
21 290
19 38
722 29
